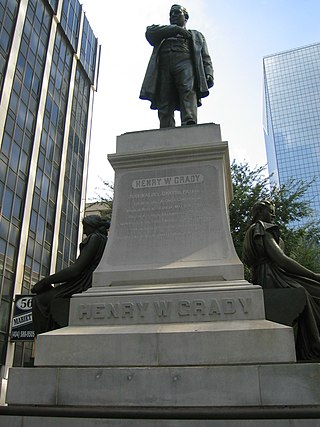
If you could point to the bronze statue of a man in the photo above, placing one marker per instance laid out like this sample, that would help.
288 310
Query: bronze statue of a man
180 70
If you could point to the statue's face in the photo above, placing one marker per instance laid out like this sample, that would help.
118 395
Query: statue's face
177 17
268 213
87 230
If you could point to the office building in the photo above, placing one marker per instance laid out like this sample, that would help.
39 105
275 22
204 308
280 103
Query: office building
292 117
48 75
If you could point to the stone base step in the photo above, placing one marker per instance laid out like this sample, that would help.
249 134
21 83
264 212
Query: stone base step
210 419
206 343
267 385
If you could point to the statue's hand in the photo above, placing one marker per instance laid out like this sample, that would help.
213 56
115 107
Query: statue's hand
209 81
41 286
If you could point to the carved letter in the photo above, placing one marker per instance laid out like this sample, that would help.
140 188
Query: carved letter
84 311
113 311
142 308
127 309
245 303
198 307
184 308
214 308
99 311
162 308
228 305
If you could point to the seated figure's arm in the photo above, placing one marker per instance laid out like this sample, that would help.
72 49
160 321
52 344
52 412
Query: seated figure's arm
288 264
156 33
70 273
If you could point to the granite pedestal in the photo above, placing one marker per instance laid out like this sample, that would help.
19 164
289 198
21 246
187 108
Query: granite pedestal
170 274
170 320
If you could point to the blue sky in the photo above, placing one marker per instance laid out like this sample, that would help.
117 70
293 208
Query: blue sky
238 33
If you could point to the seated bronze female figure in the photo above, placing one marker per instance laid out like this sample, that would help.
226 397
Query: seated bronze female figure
272 268
72 280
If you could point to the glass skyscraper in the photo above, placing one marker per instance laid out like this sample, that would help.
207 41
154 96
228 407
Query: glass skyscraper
292 117
48 74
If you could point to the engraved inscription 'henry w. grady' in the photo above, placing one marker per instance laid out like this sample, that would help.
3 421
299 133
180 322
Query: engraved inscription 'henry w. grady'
167 180
171 310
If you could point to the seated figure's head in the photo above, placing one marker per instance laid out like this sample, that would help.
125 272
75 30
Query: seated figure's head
94 223
264 210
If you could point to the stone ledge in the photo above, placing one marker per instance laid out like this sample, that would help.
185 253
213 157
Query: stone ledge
210 418
180 344
130 142
224 386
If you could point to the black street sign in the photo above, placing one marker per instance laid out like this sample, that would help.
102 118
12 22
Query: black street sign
22 326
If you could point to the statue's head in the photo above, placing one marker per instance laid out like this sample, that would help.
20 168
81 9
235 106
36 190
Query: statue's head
264 210
178 15
94 223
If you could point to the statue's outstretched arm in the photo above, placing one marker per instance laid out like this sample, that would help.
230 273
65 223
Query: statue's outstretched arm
278 257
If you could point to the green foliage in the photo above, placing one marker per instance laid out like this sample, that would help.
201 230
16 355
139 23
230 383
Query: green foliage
302 244
106 200
252 185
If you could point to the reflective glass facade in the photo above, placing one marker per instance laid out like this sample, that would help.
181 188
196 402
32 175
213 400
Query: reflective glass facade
8 16
44 198
46 92
292 117
88 51
73 178
70 20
